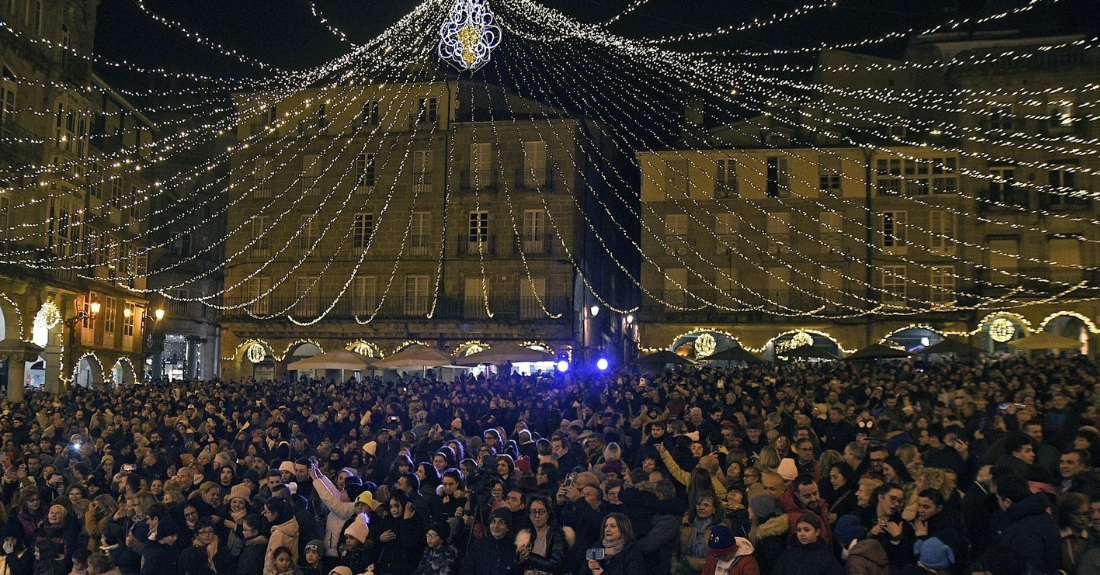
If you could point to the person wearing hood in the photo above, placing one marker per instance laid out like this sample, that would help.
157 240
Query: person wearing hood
729 555
768 532
1030 529
284 530
621 556
934 557
810 554
493 555
16 559
861 556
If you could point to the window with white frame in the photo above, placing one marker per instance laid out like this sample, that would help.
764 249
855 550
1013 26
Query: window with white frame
1000 116
893 230
416 294
831 231
364 171
945 178
894 286
942 283
829 175
534 231
306 290
261 242
481 165
1003 189
725 178
888 176
676 225
369 113
311 171
110 316
258 289
421 233
941 226
1063 191
128 320
778 177
534 164
362 231
478 230
363 293
308 234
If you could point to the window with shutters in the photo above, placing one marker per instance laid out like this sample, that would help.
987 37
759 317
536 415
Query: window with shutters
676 283
534 164
893 231
422 170
893 286
942 284
364 171
945 179
416 295
481 165
1003 256
1063 192
725 178
261 176
368 116
888 176
1003 189
9 91
306 291
941 225
779 232
311 171
128 318
1000 116
676 180
534 231
829 175
478 232
1065 255
831 231
308 235
676 225
363 294
421 234
362 231
110 317
258 288
725 227
427 111
532 297
779 178
261 241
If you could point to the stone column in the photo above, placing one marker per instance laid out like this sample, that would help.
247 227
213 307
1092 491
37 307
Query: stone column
192 357
52 355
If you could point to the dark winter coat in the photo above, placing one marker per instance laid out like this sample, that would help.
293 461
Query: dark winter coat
490 556
813 559
1034 533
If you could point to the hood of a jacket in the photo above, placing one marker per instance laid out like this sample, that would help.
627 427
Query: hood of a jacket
870 550
1033 505
744 547
778 525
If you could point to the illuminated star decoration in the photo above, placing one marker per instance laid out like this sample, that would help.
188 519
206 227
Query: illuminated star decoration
468 35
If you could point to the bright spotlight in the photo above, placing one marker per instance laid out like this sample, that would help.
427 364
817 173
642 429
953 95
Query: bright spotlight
563 366
601 364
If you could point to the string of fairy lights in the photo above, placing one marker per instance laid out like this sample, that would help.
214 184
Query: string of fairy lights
632 88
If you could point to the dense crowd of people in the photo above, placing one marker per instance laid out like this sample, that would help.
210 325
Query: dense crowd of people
985 466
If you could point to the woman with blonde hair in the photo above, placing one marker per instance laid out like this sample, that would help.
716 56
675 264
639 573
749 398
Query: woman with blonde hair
768 460
97 517
930 478
694 535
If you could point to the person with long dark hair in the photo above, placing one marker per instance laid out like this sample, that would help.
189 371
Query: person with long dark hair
620 555
284 530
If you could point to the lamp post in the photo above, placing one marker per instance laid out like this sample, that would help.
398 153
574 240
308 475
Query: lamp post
589 315
81 315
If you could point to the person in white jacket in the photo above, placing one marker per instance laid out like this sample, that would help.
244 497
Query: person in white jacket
341 505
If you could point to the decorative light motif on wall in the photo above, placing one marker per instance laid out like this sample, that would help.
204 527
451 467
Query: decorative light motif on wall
800 339
1001 330
256 353
469 35
51 316
705 345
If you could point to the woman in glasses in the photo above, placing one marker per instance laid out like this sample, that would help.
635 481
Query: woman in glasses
541 548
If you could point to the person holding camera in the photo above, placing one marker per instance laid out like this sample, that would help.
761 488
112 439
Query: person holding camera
617 553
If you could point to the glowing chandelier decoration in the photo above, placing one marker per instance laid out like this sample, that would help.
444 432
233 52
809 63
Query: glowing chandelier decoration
1001 330
469 35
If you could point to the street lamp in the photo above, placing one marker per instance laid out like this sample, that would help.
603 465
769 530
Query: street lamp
150 333
81 315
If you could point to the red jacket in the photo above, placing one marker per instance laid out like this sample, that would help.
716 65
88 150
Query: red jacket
743 561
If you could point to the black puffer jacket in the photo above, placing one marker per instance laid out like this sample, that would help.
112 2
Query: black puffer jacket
812 559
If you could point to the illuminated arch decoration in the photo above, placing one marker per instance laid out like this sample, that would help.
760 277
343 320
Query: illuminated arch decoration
1089 325
1002 330
242 349
124 362
76 365
365 348
18 314
793 332
538 346
1007 315
470 348
694 332
469 35
407 343
888 341
295 344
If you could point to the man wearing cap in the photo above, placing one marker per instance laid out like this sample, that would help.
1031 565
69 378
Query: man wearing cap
160 554
493 555
729 555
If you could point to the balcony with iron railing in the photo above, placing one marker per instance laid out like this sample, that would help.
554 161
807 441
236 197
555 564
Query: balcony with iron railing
482 180
476 245
541 179
532 244
400 306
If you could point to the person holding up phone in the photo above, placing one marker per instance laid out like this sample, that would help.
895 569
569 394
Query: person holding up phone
617 553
